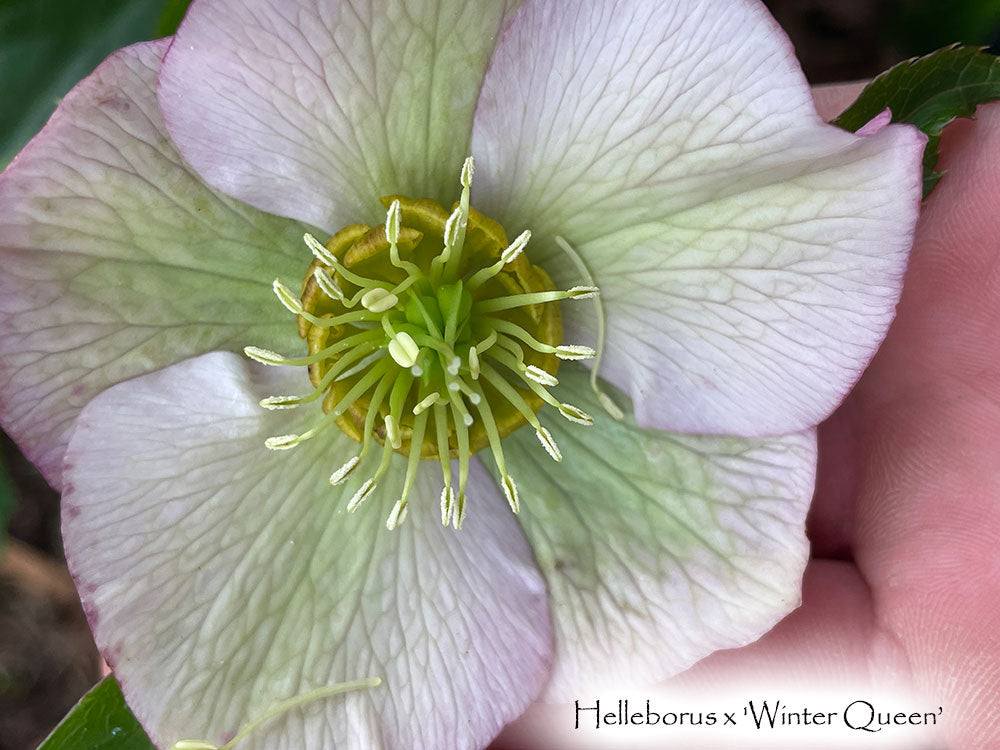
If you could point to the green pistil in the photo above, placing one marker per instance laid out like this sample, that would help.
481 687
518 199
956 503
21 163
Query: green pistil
454 346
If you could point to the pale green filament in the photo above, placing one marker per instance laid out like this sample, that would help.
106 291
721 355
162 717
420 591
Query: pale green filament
282 707
610 406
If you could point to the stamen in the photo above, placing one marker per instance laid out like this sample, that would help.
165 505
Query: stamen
392 219
341 474
328 258
323 255
426 403
540 376
474 363
462 437
441 426
403 349
570 352
267 357
392 434
330 287
497 304
610 406
513 250
378 300
455 256
397 515
416 443
292 303
510 490
548 443
364 492
447 501
320 693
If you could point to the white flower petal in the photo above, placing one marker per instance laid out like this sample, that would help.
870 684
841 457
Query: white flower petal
314 109
749 256
659 548
115 259
221 578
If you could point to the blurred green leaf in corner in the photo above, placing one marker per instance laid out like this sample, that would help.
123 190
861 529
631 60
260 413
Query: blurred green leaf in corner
6 502
100 721
46 46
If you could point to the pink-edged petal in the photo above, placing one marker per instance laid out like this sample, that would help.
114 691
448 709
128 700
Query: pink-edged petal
749 255
221 578
115 259
659 548
314 109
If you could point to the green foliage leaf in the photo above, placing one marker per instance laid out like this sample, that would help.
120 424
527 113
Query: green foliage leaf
46 46
173 14
100 721
929 92
6 502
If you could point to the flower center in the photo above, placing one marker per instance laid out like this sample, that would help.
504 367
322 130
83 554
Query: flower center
431 335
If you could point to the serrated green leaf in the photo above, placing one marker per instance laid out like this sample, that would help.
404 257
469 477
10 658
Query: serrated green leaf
929 92
46 46
100 721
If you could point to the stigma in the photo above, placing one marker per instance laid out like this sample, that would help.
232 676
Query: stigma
430 335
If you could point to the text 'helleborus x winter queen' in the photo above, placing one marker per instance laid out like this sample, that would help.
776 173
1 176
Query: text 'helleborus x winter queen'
748 257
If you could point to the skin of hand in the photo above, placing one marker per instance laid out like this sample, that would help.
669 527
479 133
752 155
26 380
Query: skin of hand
904 582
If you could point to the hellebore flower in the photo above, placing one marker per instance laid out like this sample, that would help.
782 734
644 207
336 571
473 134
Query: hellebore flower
748 256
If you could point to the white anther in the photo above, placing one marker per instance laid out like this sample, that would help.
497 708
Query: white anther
281 402
468 167
451 231
282 442
285 296
379 300
574 414
516 247
193 745
583 292
363 493
474 363
397 515
416 371
392 223
345 471
264 356
447 502
467 419
427 403
321 253
475 399
458 511
403 349
454 386
328 285
510 490
454 366
540 376
392 433
610 406
549 444
572 352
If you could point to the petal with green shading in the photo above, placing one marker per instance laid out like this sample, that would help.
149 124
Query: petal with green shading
750 256
115 259
659 548
314 109
221 578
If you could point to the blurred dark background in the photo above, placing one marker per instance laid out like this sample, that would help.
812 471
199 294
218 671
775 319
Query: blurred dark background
47 660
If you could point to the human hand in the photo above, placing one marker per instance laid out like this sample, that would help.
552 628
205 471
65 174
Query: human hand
904 583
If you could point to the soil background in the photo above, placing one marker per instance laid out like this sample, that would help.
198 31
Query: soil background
47 658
